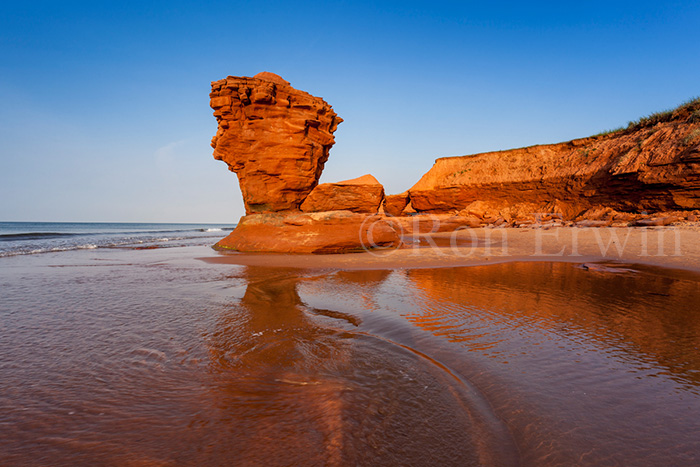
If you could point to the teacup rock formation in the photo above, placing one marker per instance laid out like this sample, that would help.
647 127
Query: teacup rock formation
277 140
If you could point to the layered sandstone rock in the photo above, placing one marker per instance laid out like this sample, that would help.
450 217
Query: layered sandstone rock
324 232
431 223
652 166
395 204
276 138
362 195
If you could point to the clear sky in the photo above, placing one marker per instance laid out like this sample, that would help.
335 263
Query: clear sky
104 107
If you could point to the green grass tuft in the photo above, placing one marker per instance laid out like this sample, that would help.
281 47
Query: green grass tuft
609 132
691 106
666 115
692 137
695 117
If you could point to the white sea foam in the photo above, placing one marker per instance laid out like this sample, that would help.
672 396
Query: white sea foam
37 238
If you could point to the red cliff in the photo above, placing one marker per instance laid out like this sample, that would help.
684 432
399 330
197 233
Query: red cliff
653 165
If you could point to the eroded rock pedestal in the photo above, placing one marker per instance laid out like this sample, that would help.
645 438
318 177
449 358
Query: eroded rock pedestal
277 140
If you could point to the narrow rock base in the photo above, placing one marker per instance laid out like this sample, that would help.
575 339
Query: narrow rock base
321 232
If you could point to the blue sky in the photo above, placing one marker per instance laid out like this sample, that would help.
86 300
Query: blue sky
105 111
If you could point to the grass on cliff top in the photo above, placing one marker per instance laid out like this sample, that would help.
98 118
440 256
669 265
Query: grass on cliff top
609 132
691 107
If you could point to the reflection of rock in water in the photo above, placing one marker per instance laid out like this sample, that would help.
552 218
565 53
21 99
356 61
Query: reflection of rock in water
638 310
274 397
587 366
289 391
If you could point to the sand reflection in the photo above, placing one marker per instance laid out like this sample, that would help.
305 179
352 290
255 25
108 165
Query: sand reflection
298 385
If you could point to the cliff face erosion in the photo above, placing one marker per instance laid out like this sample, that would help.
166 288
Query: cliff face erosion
277 140
651 166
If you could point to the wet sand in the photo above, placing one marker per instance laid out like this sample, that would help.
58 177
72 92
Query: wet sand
173 356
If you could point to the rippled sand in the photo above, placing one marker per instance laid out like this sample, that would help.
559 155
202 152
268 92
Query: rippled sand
155 357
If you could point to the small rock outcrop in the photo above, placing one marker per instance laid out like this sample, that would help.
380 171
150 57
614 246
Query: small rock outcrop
362 195
276 138
394 205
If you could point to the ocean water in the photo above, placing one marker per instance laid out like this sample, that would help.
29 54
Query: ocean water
155 356
20 238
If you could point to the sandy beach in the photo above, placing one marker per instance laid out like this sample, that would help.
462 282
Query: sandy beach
670 247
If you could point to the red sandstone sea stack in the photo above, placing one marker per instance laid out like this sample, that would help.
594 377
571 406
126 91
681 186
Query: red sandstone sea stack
277 140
